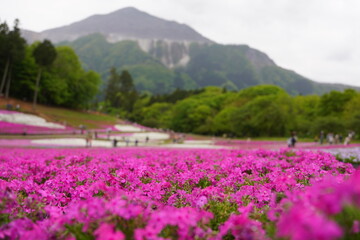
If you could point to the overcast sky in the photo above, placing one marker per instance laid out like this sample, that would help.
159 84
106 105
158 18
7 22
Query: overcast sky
318 39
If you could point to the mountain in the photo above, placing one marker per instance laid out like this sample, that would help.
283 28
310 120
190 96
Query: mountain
151 33
164 55
126 23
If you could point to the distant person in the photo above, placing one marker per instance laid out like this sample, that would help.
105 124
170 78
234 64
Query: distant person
292 140
108 131
347 141
147 139
330 138
321 137
115 141
349 138
82 128
89 138
136 142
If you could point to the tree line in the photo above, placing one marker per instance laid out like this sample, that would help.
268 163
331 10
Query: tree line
263 110
43 73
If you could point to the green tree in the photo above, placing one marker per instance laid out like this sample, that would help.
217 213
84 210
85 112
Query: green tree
25 75
12 50
351 115
195 114
158 115
120 91
222 121
260 90
333 103
66 83
113 88
328 124
263 116
128 94
45 55
180 117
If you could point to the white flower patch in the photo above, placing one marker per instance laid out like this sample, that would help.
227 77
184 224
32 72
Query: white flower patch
150 135
194 146
71 142
28 119
128 128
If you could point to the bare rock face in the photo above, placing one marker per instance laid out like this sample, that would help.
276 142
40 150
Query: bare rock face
259 59
31 36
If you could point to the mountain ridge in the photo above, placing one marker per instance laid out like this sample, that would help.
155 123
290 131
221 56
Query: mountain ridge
181 56
123 24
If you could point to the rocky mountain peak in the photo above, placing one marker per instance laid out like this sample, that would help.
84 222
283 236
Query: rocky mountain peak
126 23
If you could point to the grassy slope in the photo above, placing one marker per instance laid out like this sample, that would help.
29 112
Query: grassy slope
61 115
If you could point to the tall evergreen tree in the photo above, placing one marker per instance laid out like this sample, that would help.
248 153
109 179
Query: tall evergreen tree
44 54
126 81
12 51
4 32
120 91
113 88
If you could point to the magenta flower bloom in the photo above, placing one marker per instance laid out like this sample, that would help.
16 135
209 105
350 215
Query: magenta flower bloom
242 227
302 222
107 232
201 202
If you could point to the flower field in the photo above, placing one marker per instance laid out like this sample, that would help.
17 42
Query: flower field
149 193
350 155
24 129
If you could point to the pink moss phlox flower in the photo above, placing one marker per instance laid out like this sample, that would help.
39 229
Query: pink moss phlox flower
107 231
23 229
303 222
241 226
201 201
186 219
355 227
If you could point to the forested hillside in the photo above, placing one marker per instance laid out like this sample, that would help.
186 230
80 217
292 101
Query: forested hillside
233 67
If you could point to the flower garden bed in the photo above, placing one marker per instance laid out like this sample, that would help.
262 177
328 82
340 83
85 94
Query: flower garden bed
152 193
24 129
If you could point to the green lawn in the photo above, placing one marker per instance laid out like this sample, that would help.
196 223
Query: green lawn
76 118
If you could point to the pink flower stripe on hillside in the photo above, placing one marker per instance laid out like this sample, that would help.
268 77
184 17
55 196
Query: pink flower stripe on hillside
16 128
244 144
105 128
8 112
16 143
176 194
272 145
116 135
